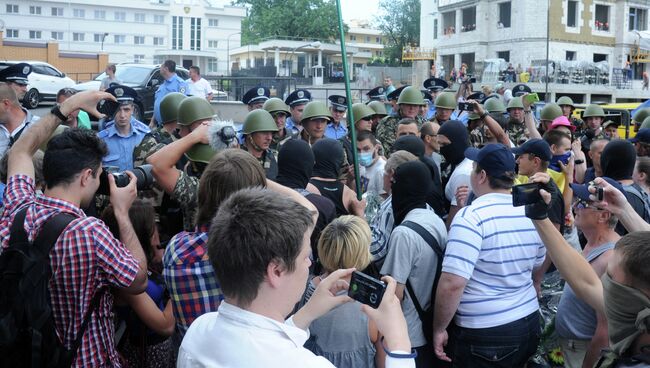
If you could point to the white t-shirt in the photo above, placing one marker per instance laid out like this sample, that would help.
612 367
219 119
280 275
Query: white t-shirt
201 87
373 175
459 177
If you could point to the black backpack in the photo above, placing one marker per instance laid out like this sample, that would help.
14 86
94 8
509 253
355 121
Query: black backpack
426 316
28 336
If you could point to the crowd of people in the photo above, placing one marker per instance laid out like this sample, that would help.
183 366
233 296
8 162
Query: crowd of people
182 242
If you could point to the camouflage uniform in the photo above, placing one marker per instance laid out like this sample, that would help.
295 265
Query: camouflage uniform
517 133
477 136
387 130
268 162
186 192
151 143
277 141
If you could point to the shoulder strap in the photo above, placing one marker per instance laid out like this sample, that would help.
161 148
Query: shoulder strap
18 234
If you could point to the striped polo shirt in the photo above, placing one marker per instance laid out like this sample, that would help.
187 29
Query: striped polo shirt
495 247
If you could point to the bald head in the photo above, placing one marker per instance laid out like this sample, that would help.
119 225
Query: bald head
8 93
429 128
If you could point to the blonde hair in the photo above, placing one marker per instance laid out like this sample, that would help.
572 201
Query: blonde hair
345 243
397 158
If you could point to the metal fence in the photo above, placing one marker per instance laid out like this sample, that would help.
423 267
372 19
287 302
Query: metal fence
236 87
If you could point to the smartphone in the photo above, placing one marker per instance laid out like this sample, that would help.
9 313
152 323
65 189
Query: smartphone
524 194
366 289
532 98
465 106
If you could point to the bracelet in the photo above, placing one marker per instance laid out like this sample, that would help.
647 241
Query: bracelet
578 162
413 354
57 112
483 115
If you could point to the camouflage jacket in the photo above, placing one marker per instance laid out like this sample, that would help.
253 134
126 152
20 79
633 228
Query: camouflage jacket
150 144
186 192
517 133
387 130
477 136
268 162
277 141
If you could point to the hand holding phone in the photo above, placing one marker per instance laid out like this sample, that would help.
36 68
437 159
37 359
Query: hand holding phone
366 290
465 106
531 98
525 194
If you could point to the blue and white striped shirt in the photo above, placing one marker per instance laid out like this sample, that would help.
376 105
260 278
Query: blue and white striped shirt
495 247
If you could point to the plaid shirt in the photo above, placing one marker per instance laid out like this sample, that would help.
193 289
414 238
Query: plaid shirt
85 257
190 277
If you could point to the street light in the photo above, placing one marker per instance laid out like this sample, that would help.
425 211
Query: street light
228 56
315 45
103 38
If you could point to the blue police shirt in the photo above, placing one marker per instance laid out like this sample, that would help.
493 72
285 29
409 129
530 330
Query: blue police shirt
120 148
173 84
431 112
460 115
335 132
290 125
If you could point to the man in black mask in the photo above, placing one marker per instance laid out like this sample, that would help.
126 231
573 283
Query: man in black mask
295 166
410 259
456 170
415 145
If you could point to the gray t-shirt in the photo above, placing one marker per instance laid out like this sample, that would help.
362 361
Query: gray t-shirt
106 82
410 257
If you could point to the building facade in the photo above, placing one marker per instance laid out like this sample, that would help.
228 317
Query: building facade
191 32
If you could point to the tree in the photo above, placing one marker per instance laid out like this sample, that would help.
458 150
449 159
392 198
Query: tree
399 22
309 19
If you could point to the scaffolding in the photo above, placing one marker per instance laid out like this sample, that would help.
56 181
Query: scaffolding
640 51
410 53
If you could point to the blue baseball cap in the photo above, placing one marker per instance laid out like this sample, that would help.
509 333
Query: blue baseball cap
537 147
642 136
582 190
495 158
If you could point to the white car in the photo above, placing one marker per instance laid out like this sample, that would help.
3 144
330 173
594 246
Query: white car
44 82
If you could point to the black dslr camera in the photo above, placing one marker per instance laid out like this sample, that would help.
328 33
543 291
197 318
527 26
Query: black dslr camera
142 173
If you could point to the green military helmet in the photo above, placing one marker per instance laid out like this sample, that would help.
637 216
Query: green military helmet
200 152
645 124
515 103
169 107
315 109
640 115
473 116
565 100
259 120
494 105
593 110
411 96
361 111
379 107
550 111
446 100
275 104
193 109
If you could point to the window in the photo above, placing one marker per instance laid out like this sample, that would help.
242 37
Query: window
213 22
34 35
76 36
601 22
12 33
505 55
57 36
138 40
572 13
468 59
469 19
139 17
600 57
368 39
57 12
449 23
35 10
195 33
79 13
158 18
100 14
570 56
97 37
379 53
435 29
378 39
504 15
119 38
138 58
158 41
213 44
353 38
638 19
177 33
121 16
12 8
212 65
158 59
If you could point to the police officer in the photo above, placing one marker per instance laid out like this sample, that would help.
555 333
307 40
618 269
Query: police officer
124 132
279 110
434 86
380 113
520 90
377 94
14 118
338 107
445 106
16 77
259 128
409 102
255 97
172 83
428 102
296 101
567 106
516 128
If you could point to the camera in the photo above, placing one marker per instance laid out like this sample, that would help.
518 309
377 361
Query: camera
525 194
142 173
465 106
366 290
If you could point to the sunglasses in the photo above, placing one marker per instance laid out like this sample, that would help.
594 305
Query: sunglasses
582 204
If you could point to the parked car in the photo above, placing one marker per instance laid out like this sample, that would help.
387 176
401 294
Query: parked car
144 78
44 82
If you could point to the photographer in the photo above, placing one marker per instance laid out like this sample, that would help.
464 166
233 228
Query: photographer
86 258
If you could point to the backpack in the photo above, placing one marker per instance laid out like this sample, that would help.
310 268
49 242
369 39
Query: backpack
426 316
28 335
638 192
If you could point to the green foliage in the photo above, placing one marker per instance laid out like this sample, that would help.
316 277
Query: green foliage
399 22
308 19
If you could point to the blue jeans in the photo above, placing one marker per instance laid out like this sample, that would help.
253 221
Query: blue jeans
507 346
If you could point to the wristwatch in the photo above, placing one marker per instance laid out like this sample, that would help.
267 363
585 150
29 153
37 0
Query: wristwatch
578 162
57 112
483 115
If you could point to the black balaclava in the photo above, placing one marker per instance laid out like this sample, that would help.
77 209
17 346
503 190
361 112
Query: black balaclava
409 143
456 132
328 154
411 185
618 159
295 164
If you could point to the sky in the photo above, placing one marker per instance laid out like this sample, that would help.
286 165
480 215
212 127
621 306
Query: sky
359 9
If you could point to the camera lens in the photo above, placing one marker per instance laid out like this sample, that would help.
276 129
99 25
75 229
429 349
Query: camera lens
144 176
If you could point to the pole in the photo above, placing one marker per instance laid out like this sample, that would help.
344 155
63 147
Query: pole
348 95
548 27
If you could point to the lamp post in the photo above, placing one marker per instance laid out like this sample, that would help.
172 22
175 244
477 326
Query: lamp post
103 38
548 27
228 52
315 44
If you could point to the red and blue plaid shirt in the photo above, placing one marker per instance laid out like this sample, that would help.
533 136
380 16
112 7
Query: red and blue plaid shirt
190 278
85 257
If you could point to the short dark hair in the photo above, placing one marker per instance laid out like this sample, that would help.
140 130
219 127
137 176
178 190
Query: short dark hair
196 69
555 136
71 152
143 219
170 65
635 256
407 121
504 182
363 135
247 234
